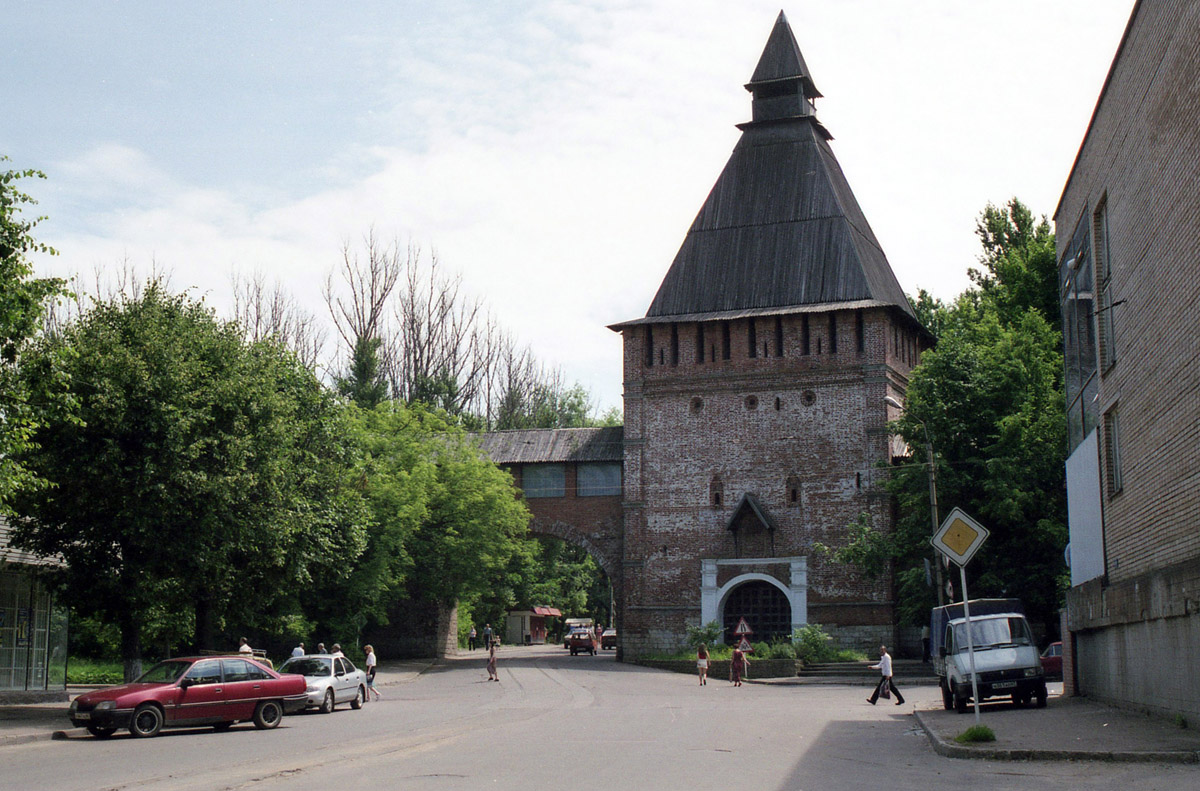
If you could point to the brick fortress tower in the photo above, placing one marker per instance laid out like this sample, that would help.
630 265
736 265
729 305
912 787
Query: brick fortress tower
755 422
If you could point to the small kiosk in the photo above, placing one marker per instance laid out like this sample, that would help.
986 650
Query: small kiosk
528 627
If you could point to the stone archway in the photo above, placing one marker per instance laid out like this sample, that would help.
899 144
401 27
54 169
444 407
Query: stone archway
602 541
720 578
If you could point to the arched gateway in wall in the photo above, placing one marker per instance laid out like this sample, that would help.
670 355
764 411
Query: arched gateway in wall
754 387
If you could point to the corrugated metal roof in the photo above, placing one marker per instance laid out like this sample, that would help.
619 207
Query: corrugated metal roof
10 554
530 446
781 228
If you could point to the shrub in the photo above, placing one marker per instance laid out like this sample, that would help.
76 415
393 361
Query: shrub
709 634
94 672
812 644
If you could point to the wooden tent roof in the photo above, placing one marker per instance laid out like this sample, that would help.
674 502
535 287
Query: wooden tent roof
781 228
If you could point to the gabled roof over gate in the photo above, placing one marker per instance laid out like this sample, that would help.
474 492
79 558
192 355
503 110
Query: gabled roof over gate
749 504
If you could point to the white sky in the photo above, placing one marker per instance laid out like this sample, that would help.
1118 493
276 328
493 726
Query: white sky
553 152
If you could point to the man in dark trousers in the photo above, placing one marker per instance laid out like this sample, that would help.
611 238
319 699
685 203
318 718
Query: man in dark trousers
885 670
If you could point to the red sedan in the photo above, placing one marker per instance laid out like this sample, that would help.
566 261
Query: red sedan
1052 660
180 693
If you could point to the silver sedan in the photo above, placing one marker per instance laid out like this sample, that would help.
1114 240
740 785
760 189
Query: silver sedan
331 680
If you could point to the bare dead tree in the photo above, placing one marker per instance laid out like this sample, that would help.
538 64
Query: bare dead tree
271 313
359 309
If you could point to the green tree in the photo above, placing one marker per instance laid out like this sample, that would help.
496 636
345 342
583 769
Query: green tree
23 301
364 382
991 396
202 477
1020 265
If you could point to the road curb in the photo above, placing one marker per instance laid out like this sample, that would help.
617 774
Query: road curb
951 749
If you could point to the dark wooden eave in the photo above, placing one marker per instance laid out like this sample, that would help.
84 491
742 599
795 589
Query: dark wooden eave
750 503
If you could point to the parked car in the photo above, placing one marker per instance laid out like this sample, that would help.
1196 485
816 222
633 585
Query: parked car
1052 660
582 641
331 680
608 639
188 692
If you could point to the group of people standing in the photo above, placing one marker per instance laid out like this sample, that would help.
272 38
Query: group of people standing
739 664
370 662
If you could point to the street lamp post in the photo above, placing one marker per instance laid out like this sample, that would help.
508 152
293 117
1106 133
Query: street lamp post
933 506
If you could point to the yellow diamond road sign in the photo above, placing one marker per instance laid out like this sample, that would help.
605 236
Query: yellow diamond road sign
959 537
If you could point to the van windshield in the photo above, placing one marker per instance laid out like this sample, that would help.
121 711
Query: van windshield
993 633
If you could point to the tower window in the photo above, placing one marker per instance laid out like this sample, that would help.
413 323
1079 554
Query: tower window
778 336
833 333
716 490
752 337
859 332
726 349
649 345
699 343
804 337
674 344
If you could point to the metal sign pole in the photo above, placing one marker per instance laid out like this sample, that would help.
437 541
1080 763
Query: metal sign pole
962 571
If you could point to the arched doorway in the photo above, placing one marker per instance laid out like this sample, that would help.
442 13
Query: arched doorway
764 606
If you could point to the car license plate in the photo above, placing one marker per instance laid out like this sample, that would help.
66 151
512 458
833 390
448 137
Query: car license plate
1004 685
83 715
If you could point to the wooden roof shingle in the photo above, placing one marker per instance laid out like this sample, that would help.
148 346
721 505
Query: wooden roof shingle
781 227
544 445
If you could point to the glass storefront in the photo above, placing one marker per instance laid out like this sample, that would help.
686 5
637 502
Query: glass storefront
33 633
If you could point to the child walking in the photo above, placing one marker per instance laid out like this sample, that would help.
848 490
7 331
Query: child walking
702 663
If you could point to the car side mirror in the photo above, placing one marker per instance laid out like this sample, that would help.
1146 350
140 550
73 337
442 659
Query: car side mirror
184 683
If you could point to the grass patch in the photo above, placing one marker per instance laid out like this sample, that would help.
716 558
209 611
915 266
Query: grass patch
975 734
94 672
1180 721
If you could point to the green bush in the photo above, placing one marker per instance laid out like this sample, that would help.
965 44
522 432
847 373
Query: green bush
95 672
812 644
976 733
710 634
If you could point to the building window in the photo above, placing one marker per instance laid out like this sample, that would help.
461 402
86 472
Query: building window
833 333
544 480
752 337
804 337
859 332
598 479
1112 452
751 402
778 336
716 491
697 403
674 344
1104 296
793 490
649 345
726 348
1076 297
700 343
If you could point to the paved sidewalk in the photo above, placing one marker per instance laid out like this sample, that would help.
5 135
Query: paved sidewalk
1068 729
22 723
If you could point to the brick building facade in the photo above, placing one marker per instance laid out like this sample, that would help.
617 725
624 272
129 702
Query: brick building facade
1127 226
755 421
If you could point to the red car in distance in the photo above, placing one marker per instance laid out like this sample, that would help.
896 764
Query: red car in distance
1052 660
189 692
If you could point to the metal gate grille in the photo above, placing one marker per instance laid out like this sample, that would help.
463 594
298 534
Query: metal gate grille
765 608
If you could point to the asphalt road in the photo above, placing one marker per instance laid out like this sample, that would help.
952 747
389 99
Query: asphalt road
556 722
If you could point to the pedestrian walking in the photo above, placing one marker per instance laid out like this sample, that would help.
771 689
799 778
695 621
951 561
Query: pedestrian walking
702 663
471 639
298 650
886 685
371 674
738 666
925 655
491 663
487 634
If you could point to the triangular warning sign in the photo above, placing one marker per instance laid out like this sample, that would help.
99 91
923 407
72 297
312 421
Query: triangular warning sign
745 646
743 627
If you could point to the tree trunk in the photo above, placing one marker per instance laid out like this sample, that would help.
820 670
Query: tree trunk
206 637
131 646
